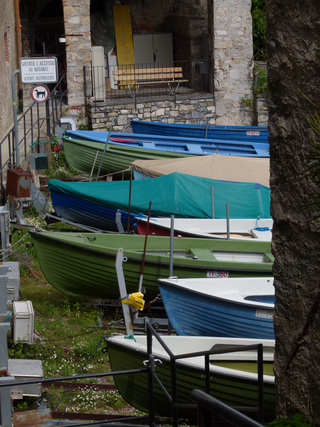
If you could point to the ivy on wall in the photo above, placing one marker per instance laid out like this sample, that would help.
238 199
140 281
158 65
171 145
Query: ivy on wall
258 11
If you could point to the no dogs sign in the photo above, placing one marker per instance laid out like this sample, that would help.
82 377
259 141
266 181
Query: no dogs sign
40 93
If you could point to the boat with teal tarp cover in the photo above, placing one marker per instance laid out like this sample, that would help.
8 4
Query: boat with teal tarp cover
95 203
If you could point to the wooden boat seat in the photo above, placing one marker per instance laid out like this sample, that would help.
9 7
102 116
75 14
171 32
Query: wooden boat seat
132 78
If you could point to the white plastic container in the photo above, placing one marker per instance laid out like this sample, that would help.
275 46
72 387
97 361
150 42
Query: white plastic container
23 321
24 370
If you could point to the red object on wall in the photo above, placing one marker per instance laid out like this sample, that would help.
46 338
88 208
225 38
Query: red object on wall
18 182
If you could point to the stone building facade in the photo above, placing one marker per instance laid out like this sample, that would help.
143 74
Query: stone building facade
219 31
8 64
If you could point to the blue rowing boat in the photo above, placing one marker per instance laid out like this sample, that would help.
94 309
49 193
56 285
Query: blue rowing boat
239 307
257 134
174 144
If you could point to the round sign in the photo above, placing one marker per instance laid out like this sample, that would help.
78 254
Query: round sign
40 93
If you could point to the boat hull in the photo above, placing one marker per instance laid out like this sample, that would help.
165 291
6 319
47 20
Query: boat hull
95 203
81 156
172 144
204 310
239 229
83 264
240 133
134 387
82 212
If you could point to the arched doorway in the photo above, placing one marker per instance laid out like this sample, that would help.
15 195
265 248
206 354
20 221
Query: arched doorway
42 27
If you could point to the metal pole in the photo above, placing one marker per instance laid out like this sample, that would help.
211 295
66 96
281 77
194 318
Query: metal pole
228 221
206 133
123 293
15 119
129 204
212 202
48 118
104 151
260 384
171 246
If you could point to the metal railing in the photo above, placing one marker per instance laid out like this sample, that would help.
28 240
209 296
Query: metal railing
201 398
208 405
169 80
173 362
34 121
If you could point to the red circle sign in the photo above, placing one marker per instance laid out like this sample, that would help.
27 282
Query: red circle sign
40 93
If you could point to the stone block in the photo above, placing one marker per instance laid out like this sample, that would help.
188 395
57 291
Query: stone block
122 120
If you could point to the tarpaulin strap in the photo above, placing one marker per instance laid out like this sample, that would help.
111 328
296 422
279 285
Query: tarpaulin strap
260 228
135 299
131 337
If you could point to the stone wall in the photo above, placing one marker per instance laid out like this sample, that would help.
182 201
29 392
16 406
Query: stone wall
8 64
182 111
233 60
78 50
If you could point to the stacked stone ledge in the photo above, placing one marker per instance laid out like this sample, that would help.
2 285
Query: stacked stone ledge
182 111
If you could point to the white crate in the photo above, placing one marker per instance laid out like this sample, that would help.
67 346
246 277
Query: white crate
23 321
24 370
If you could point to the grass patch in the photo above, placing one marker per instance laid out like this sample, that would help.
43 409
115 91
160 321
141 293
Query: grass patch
69 339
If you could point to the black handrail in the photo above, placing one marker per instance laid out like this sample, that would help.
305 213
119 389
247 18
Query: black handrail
173 360
208 404
31 131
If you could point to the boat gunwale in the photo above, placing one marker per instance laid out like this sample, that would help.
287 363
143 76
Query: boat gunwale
200 234
247 303
191 261
118 340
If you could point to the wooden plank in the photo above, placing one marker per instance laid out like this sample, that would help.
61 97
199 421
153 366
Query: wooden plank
147 70
162 81
123 33
149 77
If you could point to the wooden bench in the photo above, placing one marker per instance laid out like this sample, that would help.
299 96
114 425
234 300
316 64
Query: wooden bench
132 78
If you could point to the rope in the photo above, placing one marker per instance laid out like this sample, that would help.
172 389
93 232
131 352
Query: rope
131 337
44 142
8 317
260 228
9 250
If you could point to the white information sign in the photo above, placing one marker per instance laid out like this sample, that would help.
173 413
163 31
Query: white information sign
39 70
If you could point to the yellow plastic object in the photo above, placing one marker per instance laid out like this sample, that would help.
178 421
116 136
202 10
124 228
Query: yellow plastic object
135 299
123 33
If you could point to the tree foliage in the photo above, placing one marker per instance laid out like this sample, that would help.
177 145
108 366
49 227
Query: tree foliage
258 11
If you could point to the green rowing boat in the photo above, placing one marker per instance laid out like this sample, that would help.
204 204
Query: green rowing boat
233 376
83 264
81 156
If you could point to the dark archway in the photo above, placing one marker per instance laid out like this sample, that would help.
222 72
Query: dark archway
42 27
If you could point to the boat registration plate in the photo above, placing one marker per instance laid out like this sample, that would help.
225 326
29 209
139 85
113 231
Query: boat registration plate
265 314
220 274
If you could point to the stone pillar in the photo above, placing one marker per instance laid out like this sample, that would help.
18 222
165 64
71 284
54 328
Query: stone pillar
233 61
78 49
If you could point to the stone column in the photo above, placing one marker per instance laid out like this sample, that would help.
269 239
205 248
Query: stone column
233 61
78 49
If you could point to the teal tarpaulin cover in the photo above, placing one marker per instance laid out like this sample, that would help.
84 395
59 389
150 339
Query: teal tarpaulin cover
181 195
